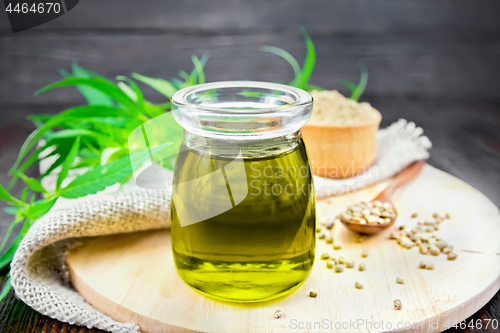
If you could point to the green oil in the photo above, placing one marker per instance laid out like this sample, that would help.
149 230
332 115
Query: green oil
260 242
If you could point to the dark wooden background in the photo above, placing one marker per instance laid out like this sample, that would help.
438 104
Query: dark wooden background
434 62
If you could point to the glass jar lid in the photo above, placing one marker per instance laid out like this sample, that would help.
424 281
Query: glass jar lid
242 109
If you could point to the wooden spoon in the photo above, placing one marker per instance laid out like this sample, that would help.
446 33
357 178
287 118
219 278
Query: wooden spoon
385 196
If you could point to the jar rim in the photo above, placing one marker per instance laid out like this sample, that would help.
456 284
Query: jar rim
241 110
180 98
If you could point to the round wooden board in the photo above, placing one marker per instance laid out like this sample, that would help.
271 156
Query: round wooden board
132 277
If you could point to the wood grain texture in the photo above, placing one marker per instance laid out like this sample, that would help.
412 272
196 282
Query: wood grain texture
132 277
430 48
465 136
334 16
429 65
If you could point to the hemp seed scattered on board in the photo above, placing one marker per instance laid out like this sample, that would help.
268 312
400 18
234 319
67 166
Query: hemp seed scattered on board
278 314
328 239
397 304
313 294
330 223
447 250
339 268
325 256
423 236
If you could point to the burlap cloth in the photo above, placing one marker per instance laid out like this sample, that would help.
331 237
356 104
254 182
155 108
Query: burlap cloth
40 276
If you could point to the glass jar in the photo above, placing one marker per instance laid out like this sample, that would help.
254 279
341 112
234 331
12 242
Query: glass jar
243 206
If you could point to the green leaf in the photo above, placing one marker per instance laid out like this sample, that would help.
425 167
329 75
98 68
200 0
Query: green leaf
198 66
162 86
97 124
163 106
288 57
155 110
62 148
39 208
184 75
6 288
64 74
33 158
114 135
108 154
311 87
168 163
10 210
32 183
6 258
105 86
9 230
68 161
92 95
75 132
5 195
63 117
193 77
363 81
91 148
87 163
356 90
348 84
303 75
24 195
178 83
40 117
139 97
309 61
79 71
99 178
127 90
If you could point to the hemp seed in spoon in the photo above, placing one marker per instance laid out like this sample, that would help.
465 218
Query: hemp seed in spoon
374 212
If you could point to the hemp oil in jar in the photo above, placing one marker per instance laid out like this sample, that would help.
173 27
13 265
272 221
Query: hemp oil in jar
243 214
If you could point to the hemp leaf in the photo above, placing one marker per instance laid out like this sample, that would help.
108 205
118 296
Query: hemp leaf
356 90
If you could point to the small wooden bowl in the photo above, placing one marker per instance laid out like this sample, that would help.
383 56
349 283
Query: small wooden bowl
341 151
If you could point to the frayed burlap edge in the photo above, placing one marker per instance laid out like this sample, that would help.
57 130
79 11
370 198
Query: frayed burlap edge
39 274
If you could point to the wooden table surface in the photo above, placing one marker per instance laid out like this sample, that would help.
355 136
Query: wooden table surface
434 62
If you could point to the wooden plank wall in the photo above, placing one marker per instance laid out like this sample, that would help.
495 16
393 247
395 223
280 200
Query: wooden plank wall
412 48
